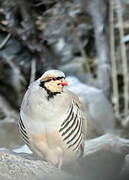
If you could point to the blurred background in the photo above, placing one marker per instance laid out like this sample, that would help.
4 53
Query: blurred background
88 41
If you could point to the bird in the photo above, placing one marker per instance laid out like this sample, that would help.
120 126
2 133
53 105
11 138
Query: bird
52 122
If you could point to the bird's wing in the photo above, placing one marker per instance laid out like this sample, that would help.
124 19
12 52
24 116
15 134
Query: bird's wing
23 131
73 127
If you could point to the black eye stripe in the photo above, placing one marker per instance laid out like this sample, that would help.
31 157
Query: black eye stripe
58 78
55 78
47 80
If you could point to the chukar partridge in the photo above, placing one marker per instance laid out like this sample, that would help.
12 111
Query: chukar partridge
52 121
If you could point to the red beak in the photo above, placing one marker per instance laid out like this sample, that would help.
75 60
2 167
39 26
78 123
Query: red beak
64 83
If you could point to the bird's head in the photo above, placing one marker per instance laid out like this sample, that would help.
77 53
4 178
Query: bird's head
53 81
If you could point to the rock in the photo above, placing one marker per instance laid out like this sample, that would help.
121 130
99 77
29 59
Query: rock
100 109
22 149
102 165
9 135
75 68
14 166
103 159
125 169
7 113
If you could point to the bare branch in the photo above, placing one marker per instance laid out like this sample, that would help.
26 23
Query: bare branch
33 70
5 41
76 39
108 142
115 94
97 9
123 56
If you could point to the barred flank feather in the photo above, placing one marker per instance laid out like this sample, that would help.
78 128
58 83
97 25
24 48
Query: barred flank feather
23 132
71 128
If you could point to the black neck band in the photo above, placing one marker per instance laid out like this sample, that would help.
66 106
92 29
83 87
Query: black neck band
50 94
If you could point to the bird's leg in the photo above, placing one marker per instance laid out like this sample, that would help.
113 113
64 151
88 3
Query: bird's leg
50 163
60 163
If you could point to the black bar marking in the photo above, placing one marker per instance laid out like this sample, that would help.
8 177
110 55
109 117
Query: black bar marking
74 135
72 129
24 138
78 144
22 125
75 141
23 132
67 119
68 127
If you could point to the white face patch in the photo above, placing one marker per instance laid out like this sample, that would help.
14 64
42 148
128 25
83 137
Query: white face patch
54 86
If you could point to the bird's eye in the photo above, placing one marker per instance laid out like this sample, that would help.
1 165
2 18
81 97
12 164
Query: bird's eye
54 79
